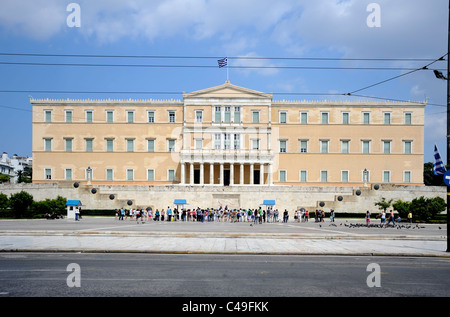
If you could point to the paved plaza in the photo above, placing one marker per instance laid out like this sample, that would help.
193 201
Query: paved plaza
107 234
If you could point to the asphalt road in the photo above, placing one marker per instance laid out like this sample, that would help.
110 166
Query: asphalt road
209 276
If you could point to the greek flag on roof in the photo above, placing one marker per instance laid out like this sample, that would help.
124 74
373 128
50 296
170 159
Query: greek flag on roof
222 62
438 165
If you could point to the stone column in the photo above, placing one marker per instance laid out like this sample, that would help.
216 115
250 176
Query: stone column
201 174
231 174
221 174
191 174
211 173
252 181
183 173
261 174
270 181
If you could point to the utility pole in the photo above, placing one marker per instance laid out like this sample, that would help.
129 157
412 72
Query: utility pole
448 125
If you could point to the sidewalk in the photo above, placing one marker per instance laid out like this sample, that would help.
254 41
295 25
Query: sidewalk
110 235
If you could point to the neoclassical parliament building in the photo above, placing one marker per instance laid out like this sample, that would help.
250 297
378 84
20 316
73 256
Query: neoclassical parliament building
228 135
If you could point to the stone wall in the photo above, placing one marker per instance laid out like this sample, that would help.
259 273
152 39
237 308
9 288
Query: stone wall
286 197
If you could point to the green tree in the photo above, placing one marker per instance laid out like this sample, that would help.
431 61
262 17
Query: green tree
57 206
20 203
402 207
427 208
4 178
383 204
4 203
429 179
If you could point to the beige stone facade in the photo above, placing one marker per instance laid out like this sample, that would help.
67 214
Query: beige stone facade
227 136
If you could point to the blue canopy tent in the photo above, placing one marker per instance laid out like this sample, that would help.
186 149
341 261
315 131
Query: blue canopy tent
180 202
268 202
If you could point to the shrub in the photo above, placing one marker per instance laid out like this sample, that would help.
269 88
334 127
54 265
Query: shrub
20 203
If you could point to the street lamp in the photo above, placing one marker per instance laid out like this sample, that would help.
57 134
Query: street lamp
365 173
89 175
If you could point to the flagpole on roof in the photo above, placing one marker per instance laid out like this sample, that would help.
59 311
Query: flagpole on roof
227 69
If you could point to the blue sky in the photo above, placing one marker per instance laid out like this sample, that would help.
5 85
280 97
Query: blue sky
409 29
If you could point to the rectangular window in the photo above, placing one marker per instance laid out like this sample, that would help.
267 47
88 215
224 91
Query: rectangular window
237 141
303 176
170 145
282 146
47 145
227 141
171 175
324 117
237 114
172 116
68 116
217 141
130 145
227 114
68 174
130 174
303 146
407 147
345 146
48 116
198 116
109 174
303 117
282 176
366 147
386 176
48 173
408 118
324 146
151 145
89 145
109 116
407 176
89 116
198 144
324 176
283 117
345 118
150 174
130 116
366 117
217 114
387 118
255 116
109 145
255 144
387 147
344 176
150 116
68 144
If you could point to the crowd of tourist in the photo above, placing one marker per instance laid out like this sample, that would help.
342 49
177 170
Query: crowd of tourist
220 214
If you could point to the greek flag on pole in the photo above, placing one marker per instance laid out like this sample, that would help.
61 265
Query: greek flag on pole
222 62
438 165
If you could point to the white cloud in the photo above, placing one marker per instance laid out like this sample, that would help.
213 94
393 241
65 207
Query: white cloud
39 19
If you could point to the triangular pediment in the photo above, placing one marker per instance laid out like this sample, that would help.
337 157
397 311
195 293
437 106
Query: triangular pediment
227 90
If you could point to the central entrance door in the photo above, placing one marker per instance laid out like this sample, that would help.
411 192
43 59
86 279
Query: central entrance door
196 176
256 177
226 177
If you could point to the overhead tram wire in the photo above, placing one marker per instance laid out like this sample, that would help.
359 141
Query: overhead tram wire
401 75
207 66
214 57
